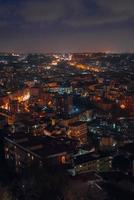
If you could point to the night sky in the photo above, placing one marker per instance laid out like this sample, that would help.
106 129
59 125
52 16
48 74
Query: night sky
67 25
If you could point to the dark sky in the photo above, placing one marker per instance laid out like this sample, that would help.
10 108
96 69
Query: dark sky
67 25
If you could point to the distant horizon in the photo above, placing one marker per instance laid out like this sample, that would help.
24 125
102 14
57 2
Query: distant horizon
58 52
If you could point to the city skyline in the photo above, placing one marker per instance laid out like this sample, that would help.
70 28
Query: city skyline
62 26
66 99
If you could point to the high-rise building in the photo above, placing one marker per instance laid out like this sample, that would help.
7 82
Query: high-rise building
63 104
79 131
